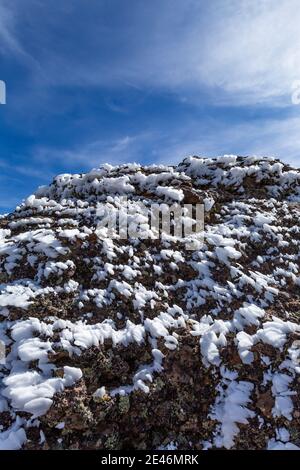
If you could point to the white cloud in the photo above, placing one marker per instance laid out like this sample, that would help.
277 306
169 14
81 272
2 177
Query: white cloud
8 40
111 150
276 138
254 49
248 50
234 52
7 202
240 51
18 169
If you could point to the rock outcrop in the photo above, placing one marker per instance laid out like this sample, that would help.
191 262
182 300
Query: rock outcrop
118 343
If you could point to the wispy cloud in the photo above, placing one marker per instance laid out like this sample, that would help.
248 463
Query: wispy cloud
25 170
272 137
10 43
8 39
239 51
7 203
111 150
276 138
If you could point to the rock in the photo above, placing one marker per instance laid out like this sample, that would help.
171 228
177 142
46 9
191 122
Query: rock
194 348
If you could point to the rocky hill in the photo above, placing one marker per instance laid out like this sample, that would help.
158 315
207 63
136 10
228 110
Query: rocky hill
141 343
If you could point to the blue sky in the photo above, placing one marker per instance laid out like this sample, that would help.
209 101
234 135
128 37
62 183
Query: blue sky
149 81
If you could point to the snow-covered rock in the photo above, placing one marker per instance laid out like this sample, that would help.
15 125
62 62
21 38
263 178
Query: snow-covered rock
199 348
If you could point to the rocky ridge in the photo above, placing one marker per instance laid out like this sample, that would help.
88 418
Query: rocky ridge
141 343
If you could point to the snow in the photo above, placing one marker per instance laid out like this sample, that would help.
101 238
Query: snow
262 219
245 342
38 406
208 203
170 193
225 254
60 425
59 267
230 409
33 349
129 273
283 407
71 375
12 439
15 296
277 445
121 292
32 392
100 393
248 315
171 446
275 332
